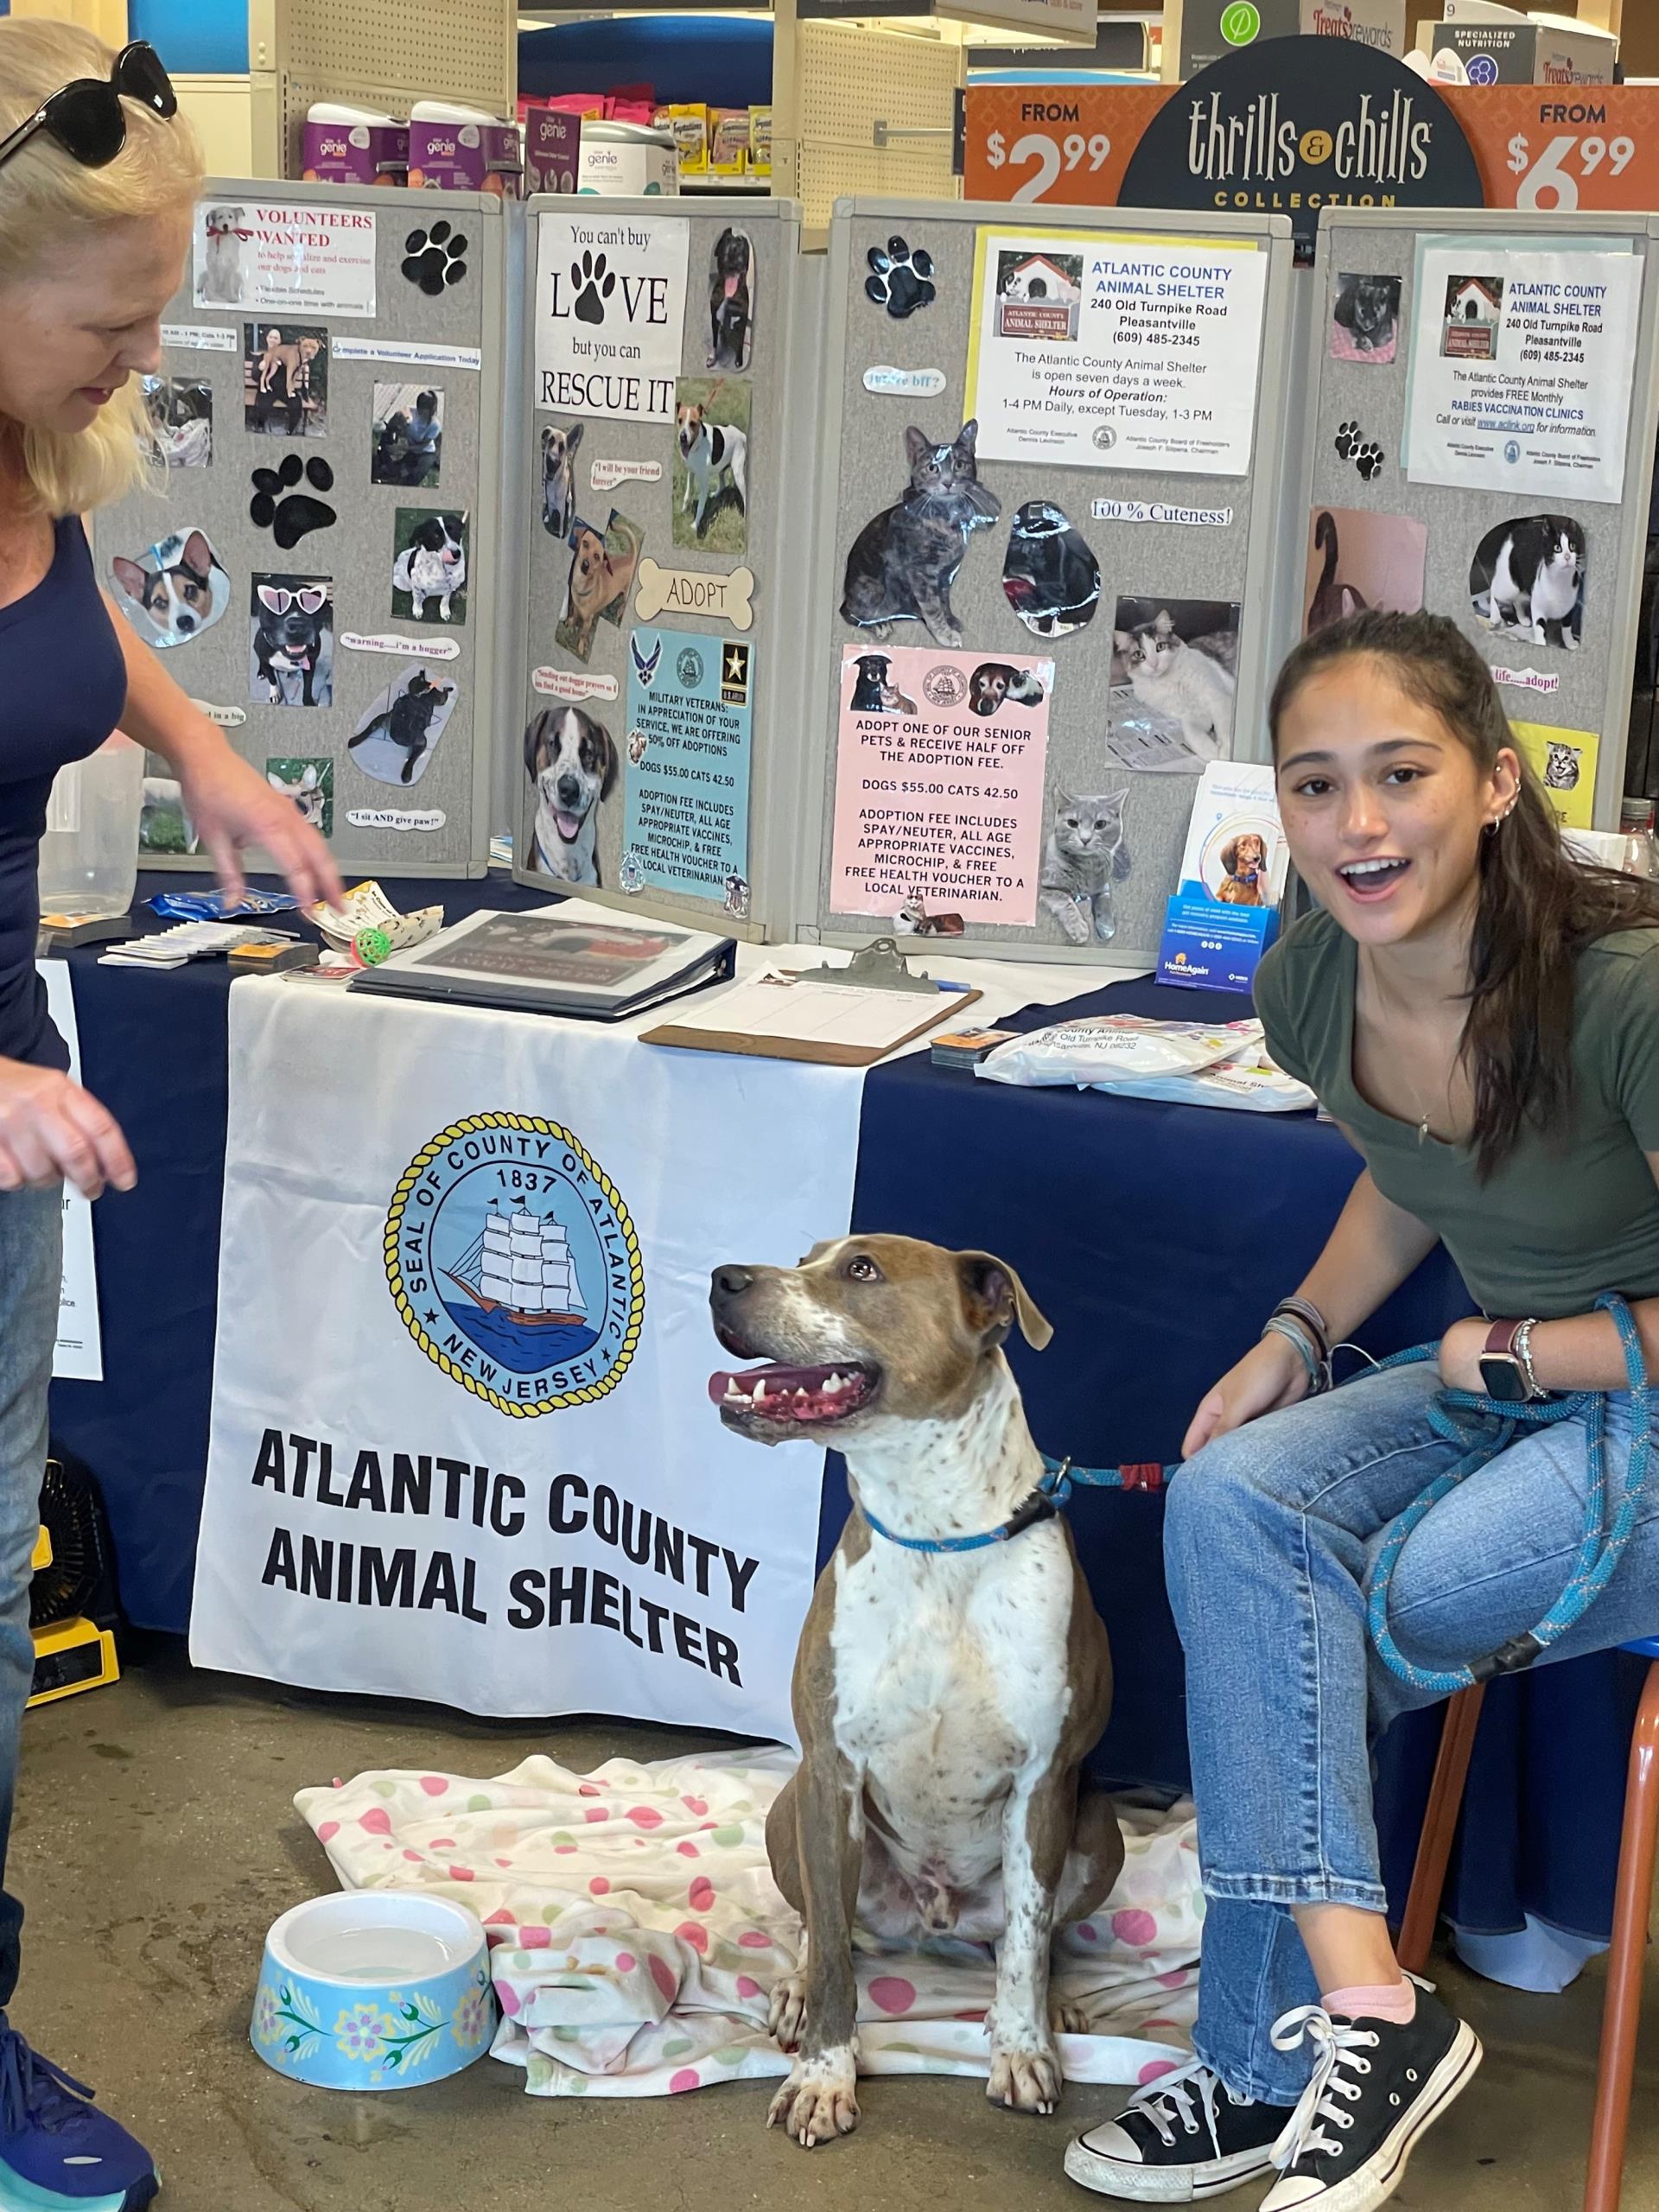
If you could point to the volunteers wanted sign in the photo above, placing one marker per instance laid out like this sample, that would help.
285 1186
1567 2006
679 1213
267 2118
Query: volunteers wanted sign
461 1444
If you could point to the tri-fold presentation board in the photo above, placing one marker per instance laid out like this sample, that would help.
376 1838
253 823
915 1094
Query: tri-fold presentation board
1047 567
662 575
315 554
1486 400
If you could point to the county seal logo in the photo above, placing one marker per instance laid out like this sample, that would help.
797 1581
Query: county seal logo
515 1264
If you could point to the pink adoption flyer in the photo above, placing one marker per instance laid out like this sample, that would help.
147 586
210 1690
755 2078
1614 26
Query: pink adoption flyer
939 766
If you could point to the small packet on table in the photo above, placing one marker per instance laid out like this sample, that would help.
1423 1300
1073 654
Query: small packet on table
368 929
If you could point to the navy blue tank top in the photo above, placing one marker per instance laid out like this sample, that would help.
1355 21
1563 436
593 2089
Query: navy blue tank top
63 687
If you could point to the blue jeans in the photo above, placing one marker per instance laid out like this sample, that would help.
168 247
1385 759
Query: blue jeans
1270 1535
31 1266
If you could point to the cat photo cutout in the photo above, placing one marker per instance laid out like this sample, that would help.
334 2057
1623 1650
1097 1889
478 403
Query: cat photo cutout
903 561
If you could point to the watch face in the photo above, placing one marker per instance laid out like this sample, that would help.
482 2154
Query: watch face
1501 1373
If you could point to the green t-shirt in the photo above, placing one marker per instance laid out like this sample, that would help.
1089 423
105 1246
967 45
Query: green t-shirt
1565 1217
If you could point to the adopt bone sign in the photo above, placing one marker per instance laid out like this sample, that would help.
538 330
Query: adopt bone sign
610 309
692 591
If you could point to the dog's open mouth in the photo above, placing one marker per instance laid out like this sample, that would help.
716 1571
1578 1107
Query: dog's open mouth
808 1395
567 825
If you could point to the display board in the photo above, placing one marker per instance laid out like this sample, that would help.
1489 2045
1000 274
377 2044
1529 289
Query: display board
1043 594
1482 443
315 558
667 477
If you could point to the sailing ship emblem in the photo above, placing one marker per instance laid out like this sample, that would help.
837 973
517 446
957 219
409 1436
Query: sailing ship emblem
514 1264
520 1265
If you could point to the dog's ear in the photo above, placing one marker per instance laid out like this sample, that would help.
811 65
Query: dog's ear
994 1299
1230 855
609 784
573 437
129 575
198 554
533 731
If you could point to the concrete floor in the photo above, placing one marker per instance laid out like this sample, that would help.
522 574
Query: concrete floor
156 1841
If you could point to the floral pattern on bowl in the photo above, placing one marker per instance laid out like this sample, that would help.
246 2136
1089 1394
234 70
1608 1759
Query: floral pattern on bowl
367 2038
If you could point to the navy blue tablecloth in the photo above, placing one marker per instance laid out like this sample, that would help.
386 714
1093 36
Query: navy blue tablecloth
1155 1239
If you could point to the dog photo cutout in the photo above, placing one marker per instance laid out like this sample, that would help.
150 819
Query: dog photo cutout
285 379
181 411
711 463
310 782
731 301
291 641
603 564
428 567
397 735
406 437
174 590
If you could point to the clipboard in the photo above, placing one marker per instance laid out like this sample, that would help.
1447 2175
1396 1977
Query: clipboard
799 1018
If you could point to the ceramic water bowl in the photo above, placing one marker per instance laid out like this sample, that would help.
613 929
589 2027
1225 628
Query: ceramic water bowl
369 1989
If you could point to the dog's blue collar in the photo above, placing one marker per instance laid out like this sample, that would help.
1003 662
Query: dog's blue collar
1043 1504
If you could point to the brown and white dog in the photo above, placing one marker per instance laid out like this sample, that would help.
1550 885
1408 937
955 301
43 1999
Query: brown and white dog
945 1700
1245 860
571 764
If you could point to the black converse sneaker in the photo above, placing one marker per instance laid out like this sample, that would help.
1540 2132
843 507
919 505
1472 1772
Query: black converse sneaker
1376 2087
1184 2136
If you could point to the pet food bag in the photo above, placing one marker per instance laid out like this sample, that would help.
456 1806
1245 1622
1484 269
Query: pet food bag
689 122
761 142
1185 1063
354 145
729 143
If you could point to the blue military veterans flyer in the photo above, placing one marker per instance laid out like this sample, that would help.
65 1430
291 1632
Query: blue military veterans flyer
689 726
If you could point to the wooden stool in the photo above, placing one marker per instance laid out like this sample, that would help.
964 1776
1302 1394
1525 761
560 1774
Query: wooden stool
1634 1903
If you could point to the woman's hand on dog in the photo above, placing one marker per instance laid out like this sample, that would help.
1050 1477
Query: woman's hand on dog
53 1131
232 806
1271 1374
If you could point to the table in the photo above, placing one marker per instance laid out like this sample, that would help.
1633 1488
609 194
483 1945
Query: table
1154 1236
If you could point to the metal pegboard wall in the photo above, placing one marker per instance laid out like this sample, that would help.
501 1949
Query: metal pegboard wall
384 54
851 78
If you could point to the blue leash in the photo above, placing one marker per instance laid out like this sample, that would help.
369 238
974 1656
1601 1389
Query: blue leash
1482 1426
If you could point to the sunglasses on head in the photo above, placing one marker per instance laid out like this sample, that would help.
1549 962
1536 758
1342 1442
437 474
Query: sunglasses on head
85 118
277 599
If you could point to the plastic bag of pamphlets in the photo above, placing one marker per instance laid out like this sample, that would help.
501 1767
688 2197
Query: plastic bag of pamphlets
1187 1063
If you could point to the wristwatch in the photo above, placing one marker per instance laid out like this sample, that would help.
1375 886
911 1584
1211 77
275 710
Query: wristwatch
1505 1369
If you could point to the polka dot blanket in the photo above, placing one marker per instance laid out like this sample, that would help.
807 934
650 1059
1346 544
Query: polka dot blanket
636 1930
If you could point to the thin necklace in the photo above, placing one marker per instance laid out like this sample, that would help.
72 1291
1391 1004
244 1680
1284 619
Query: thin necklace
1424 1114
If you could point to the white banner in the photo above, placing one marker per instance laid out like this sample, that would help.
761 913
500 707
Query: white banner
79 1357
417 1488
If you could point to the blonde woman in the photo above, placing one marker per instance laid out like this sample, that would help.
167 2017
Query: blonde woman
98 178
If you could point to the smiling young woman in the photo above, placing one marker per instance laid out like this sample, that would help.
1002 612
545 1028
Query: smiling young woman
1480 1015
97 177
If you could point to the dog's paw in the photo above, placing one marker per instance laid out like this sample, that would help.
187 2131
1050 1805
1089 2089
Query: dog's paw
819 2101
788 2006
287 514
1346 439
593 283
1071 2019
1025 2080
900 278
433 258
1367 460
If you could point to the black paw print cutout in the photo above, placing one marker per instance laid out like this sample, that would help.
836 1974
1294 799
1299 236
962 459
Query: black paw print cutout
1347 439
287 514
593 284
1367 460
900 278
434 258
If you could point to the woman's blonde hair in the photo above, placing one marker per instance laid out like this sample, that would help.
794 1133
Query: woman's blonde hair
49 200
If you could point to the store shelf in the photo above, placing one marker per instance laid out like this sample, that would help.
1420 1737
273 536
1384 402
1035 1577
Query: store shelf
725 184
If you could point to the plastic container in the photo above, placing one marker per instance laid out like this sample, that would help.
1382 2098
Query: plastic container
1640 851
454 149
627 161
89 856
355 145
